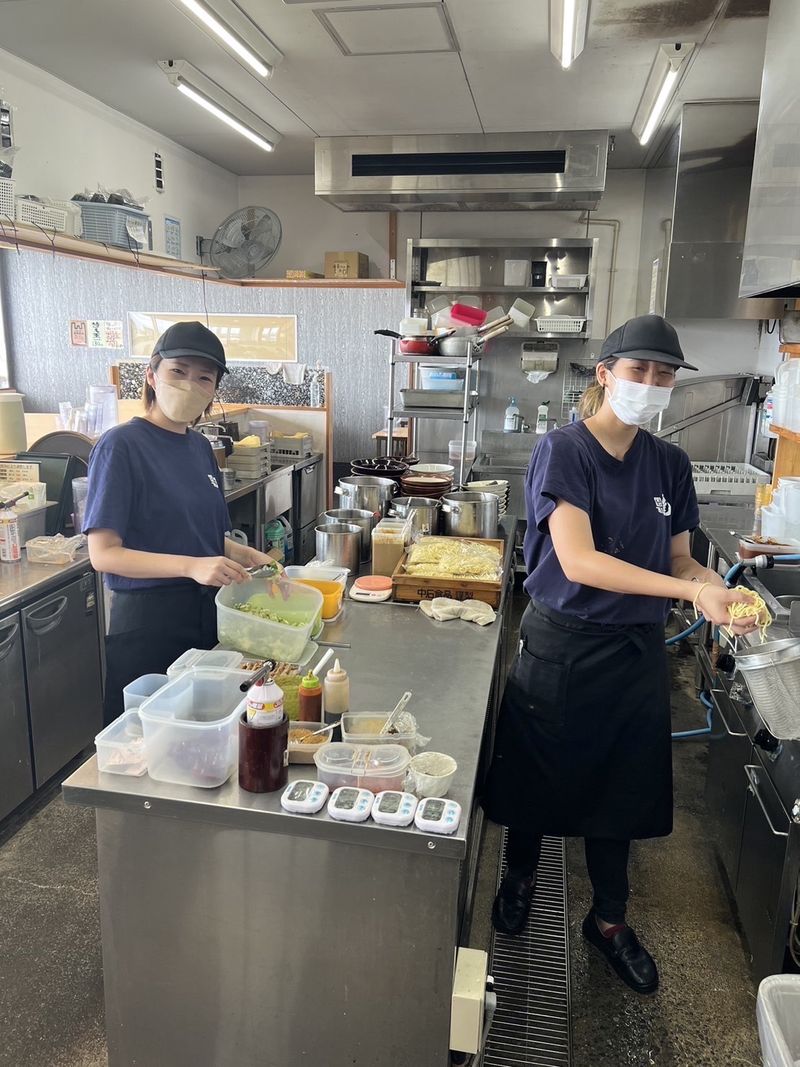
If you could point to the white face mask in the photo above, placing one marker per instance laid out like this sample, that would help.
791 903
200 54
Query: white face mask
636 404
181 401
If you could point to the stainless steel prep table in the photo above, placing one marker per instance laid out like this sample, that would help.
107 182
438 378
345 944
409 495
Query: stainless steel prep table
235 933
255 508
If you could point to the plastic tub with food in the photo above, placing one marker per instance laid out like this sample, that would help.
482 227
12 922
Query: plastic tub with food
364 728
215 658
304 741
262 617
120 747
373 767
431 773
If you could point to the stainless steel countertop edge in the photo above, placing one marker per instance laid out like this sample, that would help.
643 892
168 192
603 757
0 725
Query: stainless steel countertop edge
33 580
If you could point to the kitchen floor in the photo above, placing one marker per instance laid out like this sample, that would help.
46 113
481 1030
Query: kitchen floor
51 998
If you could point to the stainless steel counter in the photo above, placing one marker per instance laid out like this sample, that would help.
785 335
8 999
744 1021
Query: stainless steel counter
23 581
245 488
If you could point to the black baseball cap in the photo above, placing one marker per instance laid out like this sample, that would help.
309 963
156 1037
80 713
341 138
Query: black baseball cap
191 339
647 337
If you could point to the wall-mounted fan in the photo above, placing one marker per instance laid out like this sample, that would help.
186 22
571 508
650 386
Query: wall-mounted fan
244 243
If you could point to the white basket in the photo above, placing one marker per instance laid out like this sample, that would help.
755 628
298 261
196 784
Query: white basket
559 324
114 224
778 1013
568 281
7 186
772 674
727 479
61 216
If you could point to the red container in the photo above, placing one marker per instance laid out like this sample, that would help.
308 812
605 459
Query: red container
467 314
263 756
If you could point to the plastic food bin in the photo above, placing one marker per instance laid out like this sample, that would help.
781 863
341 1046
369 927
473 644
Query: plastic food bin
363 728
191 727
332 593
120 747
270 639
778 1013
373 767
136 692
323 574
454 450
213 658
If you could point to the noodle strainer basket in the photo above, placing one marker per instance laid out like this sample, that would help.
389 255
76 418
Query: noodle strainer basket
772 673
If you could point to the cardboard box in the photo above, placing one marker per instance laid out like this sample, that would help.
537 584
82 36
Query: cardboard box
346 265
301 275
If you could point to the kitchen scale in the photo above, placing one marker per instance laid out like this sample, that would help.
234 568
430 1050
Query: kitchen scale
371 589
434 816
304 797
392 808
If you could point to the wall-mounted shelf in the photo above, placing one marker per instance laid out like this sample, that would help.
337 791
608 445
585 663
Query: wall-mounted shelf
456 414
440 361
544 290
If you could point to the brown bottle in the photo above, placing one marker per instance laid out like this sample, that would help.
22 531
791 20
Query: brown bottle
310 699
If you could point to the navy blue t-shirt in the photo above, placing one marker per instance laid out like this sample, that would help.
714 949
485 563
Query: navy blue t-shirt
160 491
635 505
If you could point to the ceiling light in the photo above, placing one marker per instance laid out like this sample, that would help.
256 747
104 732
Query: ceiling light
568 22
661 85
195 86
239 34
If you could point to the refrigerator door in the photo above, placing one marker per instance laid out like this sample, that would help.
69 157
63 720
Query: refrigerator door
16 772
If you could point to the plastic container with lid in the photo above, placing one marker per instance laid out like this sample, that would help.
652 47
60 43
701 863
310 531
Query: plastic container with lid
373 767
363 728
389 539
120 747
283 637
454 450
191 727
214 658
332 593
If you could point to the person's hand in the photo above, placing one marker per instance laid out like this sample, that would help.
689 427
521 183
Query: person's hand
216 570
714 602
264 559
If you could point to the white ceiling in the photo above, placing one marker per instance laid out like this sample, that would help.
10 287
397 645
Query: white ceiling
404 75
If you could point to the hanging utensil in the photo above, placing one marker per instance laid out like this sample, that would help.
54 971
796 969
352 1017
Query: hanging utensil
398 711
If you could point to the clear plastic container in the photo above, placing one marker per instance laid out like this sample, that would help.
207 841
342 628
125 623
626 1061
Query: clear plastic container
120 747
373 767
332 593
56 550
778 1013
213 658
284 637
363 728
388 545
191 727
303 751
324 574
454 450
136 692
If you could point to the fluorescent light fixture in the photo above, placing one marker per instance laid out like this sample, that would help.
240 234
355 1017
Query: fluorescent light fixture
568 22
239 34
201 90
662 82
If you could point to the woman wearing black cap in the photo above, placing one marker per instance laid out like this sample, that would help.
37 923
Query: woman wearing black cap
583 743
156 516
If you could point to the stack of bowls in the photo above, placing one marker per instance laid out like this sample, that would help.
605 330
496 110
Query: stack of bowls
380 468
496 486
432 486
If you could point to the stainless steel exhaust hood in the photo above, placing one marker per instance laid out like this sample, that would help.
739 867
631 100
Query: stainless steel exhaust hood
463 172
771 262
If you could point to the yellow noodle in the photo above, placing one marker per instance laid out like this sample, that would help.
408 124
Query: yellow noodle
741 609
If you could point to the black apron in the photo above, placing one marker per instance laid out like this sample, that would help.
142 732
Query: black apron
583 745
148 629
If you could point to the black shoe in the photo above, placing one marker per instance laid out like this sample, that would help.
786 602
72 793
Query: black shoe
512 904
633 963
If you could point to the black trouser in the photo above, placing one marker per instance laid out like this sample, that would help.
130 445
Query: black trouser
606 861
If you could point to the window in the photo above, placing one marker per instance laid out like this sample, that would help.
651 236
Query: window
4 380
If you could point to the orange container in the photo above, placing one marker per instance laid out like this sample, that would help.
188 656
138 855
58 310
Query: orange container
332 593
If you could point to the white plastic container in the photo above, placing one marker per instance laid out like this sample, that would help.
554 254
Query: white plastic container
431 773
778 1014
213 658
268 639
521 312
441 379
373 767
568 281
120 747
140 689
454 450
191 727
517 272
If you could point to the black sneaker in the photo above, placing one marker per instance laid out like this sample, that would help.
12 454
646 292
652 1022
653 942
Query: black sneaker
632 962
512 904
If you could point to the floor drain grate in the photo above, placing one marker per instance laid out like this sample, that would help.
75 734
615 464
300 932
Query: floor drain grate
531 1026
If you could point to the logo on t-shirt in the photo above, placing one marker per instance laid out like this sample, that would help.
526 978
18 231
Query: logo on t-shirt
213 481
663 506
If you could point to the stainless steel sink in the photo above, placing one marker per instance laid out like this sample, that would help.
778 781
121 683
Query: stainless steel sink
779 586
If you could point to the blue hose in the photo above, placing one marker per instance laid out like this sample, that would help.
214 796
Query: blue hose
683 734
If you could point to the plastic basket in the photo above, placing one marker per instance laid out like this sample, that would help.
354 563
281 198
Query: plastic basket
62 217
772 673
108 224
291 447
7 186
559 324
778 1013
568 281
726 479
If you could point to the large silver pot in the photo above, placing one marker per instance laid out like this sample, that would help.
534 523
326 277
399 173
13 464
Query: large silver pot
364 492
364 519
422 510
470 514
340 544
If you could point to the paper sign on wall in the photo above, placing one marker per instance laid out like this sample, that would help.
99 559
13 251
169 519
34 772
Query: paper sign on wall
77 332
19 472
104 333
172 237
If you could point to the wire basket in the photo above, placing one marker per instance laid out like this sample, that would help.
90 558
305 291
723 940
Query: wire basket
559 324
772 673
111 224
7 186
61 216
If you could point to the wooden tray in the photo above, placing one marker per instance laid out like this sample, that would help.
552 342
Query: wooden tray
411 588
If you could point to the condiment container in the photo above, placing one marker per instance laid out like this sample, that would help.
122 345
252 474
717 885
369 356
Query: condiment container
373 767
263 756
337 691
310 699
120 747
9 536
388 545
431 773
264 703
303 751
364 728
